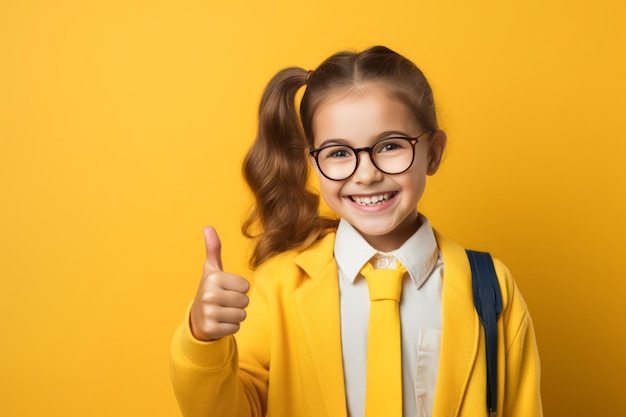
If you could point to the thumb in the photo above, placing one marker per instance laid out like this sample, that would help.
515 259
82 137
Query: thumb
213 247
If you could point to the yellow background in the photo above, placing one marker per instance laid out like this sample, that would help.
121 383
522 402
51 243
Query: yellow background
123 125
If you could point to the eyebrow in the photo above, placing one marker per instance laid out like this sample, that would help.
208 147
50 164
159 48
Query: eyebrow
382 135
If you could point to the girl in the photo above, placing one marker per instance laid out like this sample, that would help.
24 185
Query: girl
368 128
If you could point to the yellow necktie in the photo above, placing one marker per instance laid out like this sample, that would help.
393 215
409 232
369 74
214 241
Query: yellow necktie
383 394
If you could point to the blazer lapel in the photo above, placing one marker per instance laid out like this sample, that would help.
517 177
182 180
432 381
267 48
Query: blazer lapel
460 333
318 304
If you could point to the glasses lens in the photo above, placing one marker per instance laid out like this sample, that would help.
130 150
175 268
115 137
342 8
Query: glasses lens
393 155
336 162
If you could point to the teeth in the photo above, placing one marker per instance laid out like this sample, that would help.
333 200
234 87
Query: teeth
372 200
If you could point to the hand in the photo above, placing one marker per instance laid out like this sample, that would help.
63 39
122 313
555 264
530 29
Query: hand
219 305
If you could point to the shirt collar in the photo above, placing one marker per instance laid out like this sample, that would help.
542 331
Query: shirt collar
418 254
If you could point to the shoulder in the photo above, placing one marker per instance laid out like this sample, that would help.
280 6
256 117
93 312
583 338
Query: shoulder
459 298
458 274
309 261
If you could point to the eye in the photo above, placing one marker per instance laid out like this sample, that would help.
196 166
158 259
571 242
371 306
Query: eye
336 152
392 144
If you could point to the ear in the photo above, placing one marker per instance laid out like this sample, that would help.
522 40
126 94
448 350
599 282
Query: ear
438 141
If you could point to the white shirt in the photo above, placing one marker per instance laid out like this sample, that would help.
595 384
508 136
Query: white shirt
420 316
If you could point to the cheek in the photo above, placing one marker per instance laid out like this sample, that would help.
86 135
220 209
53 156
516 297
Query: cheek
329 190
414 180
421 164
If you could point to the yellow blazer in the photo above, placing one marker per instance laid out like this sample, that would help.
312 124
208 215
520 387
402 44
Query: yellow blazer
286 360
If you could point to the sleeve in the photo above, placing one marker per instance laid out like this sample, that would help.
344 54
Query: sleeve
208 380
522 368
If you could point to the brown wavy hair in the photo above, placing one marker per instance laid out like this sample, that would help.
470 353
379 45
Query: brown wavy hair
285 215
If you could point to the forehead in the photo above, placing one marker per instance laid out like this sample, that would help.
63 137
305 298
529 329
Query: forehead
361 115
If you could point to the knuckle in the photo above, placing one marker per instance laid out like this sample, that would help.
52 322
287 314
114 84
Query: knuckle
210 297
207 329
210 312
241 301
212 278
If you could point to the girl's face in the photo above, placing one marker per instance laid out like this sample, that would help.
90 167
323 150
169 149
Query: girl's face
359 119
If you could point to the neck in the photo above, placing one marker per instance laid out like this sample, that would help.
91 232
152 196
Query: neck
396 238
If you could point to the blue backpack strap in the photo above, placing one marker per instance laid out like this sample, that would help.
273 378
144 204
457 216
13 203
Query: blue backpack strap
488 302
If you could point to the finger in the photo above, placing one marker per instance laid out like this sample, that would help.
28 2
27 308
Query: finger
226 315
213 248
223 281
226 298
235 283
216 322
220 330
209 330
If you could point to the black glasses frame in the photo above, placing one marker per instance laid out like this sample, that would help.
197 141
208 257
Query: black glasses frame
413 141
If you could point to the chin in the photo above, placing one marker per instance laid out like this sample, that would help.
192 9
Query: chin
376 231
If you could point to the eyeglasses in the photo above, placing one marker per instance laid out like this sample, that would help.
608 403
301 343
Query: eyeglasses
392 155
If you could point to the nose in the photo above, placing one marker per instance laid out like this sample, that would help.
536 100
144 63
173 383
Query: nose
366 172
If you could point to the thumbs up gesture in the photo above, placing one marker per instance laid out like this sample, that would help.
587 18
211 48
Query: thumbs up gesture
219 305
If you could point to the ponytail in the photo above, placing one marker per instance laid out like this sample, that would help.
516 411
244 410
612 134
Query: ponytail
285 215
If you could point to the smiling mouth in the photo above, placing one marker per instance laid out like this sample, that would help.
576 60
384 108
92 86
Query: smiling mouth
373 200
